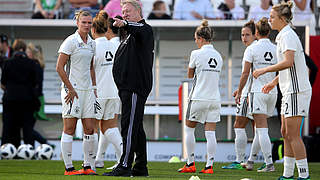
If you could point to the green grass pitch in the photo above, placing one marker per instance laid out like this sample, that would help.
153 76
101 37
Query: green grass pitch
47 170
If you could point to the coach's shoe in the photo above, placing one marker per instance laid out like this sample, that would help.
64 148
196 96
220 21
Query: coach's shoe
285 178
119 171
207 170
248 165
308 178
87 171
71 171
138 171
233 165
112 167
99 164
188 168
268 168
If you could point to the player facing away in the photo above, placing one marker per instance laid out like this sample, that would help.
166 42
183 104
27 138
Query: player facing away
248 38
107 105
294 85
75 68
204 100
259 55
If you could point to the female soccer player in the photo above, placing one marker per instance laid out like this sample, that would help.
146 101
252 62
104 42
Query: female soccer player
242 114
107 106
204 99
259 55
295 87
75 68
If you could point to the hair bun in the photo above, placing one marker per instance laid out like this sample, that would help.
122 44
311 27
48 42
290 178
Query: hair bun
204 23
290 4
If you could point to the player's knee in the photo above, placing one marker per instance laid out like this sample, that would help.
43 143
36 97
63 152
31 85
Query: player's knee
69 130
88 131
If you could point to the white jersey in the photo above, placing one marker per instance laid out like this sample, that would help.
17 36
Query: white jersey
115 41
78 66
294 79
103 63
256 13
246 86
208 64
262 54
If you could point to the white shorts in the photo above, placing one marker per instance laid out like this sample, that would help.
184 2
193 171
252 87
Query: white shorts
79 108
296 104
107 108
243 109
203 111
261 103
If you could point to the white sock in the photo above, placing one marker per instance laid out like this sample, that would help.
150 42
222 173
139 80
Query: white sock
103 144
303 169
255 147
240 143
88 147
211 146
95 142
115 138
288 165
190 142
265 144
66 149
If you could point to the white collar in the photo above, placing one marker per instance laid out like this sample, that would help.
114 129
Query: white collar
79 39
283 30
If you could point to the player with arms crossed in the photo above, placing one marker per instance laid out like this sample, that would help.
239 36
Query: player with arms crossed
75 68
204 100
294 85
259 55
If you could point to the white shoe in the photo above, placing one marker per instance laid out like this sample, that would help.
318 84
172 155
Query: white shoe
114 166
99 164
248 165
268 168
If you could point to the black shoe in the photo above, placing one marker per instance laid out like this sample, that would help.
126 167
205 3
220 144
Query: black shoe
119 171
140 171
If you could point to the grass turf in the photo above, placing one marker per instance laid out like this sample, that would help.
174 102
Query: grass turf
47 170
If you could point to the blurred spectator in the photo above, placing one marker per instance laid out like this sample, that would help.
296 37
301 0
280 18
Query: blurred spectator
258 12
159 11
47 9
229 10
193 10
5 49
19 81
303 12
113 8
87 5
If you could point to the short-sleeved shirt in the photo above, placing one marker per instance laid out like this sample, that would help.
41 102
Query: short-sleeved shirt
237 13
183 9
249 81
208 64
78 66
294 79
256 13
262 54
103 63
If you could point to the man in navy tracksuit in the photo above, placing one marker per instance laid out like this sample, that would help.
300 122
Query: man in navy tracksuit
132 72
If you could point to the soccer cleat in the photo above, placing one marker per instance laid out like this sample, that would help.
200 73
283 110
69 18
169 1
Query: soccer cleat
87 171
191 168
308 178
285 178
262 167
268 168
99 164
114 166
207 170
139 171
233 165
119 171
248 165
71 171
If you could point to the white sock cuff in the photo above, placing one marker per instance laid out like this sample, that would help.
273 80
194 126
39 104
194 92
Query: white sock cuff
239 130
302 161
210 133
66 137
111 130
262 130
289 160
189 129
87 137
95 136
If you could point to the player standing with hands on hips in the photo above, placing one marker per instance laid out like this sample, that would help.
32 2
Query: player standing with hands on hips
295 87
78 92
132 72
